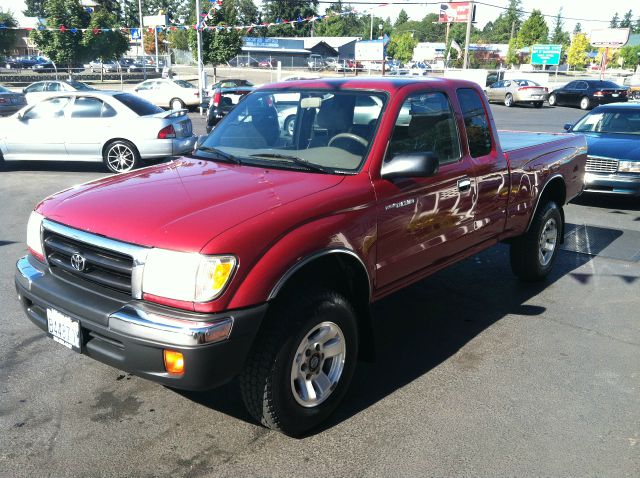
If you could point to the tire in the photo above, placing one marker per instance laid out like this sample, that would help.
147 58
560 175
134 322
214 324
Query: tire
552 100
289 125
636 95
121 156
284 357
508 100
585 103
3 164
538 104
530 261
176 104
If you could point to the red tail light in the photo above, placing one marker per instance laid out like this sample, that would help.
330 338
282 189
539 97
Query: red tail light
546 90
2 101
217 96
197 93
167 132
598 93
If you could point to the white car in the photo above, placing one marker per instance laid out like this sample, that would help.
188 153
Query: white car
117 128
174 94
44 89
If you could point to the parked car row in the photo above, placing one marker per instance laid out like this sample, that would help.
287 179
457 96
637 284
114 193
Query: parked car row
41 64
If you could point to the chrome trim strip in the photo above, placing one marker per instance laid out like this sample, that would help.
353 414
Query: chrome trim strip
27 270
146 325
298 265
138 253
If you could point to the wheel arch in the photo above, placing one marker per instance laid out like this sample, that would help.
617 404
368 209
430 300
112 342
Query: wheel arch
113 140
555 190
340 269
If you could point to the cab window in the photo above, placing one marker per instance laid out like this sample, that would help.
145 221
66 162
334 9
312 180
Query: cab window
475 122
426 123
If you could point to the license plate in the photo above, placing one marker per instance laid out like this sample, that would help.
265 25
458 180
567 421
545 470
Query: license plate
615 95
63 329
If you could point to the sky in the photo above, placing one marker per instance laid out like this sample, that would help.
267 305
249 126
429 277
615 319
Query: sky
593 10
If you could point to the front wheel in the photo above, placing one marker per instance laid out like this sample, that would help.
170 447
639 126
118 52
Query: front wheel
585 103
508 100
533 253
553 100
302 362
121 156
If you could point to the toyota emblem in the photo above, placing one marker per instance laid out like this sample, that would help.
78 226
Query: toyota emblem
78 262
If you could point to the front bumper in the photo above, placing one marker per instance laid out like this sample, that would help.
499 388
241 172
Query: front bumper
622 184
131 334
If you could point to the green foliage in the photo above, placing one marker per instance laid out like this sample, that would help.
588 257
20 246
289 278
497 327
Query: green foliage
130 13
7 37
627 20
425 30
341 25
506 23
614 21
282 10
630 56
577 55
403 17
512 53
534 30
35 8
109 6
218 46
105 45
401 46
63 47
179 39
577 28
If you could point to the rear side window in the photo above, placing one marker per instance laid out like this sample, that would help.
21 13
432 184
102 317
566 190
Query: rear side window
86 108
475 122
426 124
138 105
34 88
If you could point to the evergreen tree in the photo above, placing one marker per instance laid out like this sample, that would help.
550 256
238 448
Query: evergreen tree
218 46
614 21
506 23
403 17
627 20
130 13
577 28
279 11
534 30
347 24
35 8
559 36
110 6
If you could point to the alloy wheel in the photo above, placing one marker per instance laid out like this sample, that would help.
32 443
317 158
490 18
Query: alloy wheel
547 241
121 158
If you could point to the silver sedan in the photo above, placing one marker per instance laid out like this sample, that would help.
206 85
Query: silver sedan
119 129
511 92
10 102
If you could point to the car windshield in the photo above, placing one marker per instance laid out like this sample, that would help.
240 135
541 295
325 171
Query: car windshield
138 105
612 121
319 130
80 86
184 84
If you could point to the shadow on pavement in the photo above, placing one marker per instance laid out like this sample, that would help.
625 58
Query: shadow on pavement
427 323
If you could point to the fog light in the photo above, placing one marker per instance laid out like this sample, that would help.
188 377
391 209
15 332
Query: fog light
174 362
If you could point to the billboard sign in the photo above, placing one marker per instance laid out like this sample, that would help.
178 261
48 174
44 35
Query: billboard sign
456 12
609 37
546 54
370 50
155 20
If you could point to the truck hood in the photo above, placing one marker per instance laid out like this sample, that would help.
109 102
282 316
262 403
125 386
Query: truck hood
180 205
617 146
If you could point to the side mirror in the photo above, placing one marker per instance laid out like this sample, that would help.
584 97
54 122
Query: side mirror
410 165
568 126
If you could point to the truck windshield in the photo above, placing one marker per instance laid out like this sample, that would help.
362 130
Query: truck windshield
329 129
613 121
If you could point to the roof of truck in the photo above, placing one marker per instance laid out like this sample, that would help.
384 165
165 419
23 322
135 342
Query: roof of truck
385 83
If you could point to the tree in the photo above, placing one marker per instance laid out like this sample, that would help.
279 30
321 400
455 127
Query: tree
559 36
630 56
130 17
507 23
280 11
149 41
7 37
63 47
534 30
577 28
403 17
337 23
627 20
577 55
109 6
614 21
35 8
218 46
401 46
103 45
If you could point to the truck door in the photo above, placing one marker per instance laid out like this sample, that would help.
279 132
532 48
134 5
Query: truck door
490 168
424 221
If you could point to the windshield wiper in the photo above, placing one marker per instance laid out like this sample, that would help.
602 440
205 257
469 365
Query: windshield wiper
226 156
296 160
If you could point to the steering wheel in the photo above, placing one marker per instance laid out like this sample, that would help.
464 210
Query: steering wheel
351 136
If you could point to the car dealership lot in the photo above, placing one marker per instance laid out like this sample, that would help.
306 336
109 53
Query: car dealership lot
476 374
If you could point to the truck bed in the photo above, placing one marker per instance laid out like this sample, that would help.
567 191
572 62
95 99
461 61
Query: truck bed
512 140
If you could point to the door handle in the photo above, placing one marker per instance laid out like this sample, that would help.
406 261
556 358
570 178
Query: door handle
464 184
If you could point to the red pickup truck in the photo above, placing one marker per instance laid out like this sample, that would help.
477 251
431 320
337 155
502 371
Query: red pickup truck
259 254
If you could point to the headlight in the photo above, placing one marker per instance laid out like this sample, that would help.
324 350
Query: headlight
34 240
629 166
186 276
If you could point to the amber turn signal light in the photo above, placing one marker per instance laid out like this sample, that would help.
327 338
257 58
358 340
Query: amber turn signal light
174 362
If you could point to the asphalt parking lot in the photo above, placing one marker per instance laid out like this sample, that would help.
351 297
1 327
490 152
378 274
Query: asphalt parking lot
477 374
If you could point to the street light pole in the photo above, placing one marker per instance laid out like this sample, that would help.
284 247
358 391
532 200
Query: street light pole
465 62
144 63
199 38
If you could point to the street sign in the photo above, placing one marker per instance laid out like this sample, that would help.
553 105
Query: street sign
135 34
546 54
609 37
456 12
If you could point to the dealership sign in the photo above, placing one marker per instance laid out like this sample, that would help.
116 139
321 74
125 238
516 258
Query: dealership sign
546 54
456 12
609 37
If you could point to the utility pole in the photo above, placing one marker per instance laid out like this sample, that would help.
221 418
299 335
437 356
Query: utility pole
371 30
199 38
465 62
144 63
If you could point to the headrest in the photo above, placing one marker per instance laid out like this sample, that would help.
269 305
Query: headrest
336 113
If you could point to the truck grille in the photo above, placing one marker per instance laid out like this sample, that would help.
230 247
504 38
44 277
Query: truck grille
102 266
601 165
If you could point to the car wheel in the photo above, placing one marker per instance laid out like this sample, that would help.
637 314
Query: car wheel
290 125
302 361
121 156
533 253
538 104
176 104
3 164
585 103
552 100
636 95
508 100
